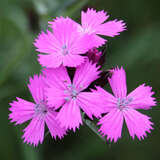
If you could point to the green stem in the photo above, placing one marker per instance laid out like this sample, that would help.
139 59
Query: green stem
46 134
92 126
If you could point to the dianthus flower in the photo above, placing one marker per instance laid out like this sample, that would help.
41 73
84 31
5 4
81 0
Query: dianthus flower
70 96
122 107
93 23
63 45
39 113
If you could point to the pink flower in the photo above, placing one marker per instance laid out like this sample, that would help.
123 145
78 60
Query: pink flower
94 23
122 107
64 45
39 113
71 95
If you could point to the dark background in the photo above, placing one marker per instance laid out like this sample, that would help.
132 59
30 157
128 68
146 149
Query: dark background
137 49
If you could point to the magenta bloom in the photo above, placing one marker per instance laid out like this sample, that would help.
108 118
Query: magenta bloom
122 107
70 95
94 23
39 113
64 45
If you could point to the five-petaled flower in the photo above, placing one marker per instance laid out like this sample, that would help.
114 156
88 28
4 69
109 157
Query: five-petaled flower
39 113
63 45
93 23
122 106
71 95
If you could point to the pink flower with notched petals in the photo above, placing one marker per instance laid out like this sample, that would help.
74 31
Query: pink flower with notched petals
71 95
93 23
39 113
63 45
122 107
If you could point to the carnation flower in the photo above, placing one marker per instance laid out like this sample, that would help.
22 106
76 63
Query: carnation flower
63 45
39 113
122 107
93 23
71 95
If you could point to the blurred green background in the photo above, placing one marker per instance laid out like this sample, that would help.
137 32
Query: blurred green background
137 49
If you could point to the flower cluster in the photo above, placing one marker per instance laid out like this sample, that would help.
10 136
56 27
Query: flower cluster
70 59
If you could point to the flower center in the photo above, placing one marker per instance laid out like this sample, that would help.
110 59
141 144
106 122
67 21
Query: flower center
64 50
40 108
122 103
87 29
70 92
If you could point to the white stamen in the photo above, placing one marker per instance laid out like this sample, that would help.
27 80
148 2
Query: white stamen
64 50
122 103
40 108
70 92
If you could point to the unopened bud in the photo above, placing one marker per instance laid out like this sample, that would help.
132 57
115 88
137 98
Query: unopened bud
94 55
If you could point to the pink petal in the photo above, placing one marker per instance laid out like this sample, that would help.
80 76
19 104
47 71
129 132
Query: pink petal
54 22
57 80
81 39
90 103
61 45
55 97
142 97
53 125
111 28
73 60
91 20
47 43
82 44
108 100
118 82
57 77
65 31
138 124
50 60
111 125
95 41
36 87
69 116
85 74
34 132
21 111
